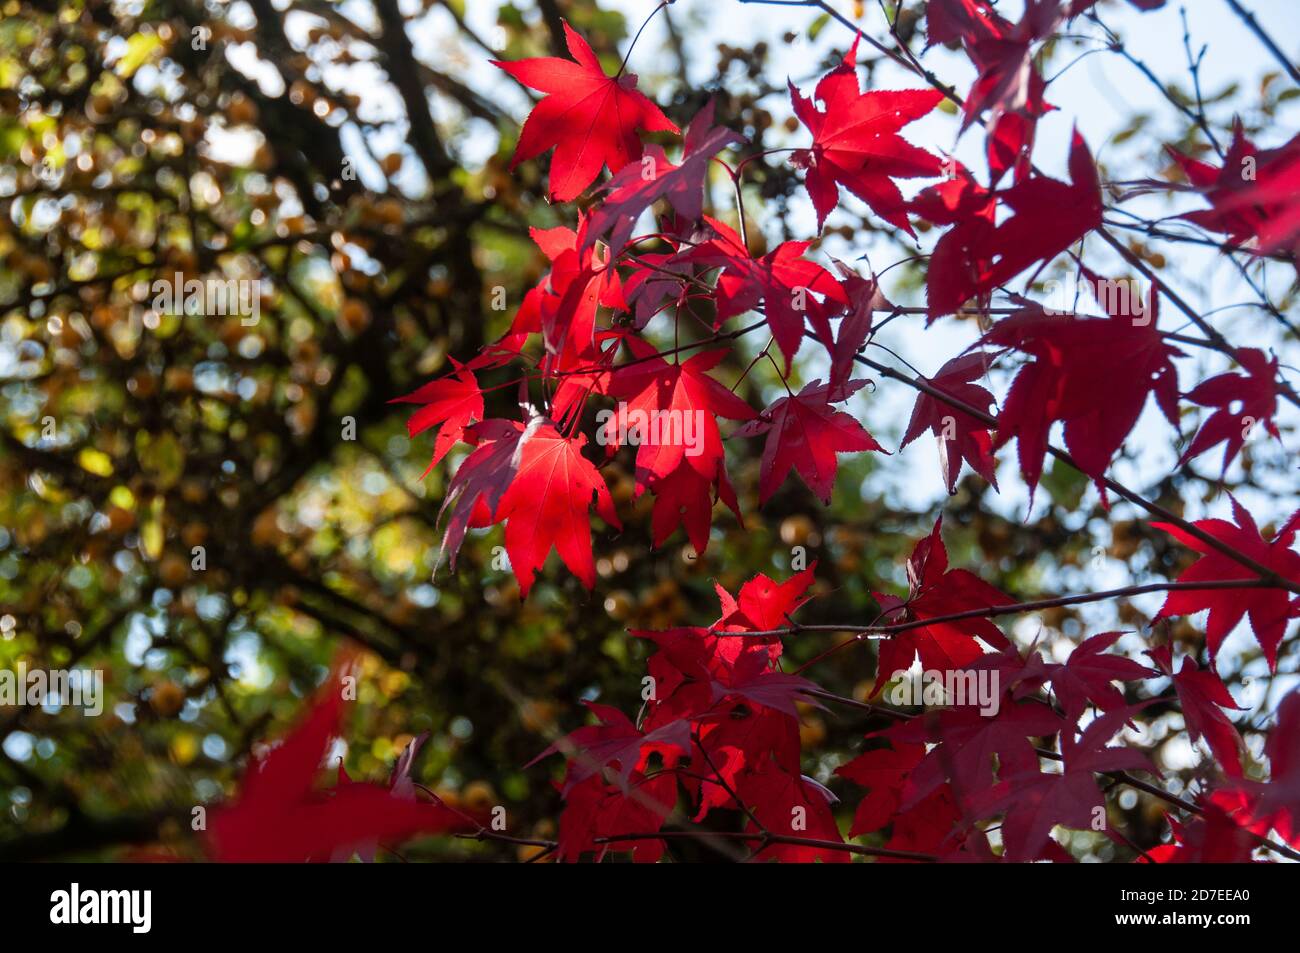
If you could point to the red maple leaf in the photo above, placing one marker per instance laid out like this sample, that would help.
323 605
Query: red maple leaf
453 402
1253 194
1036 801
596 813
671 411
1268 610
1274 804
959 435
1050 216
978 256
805 433
590 118
615 740
1241 401
1009 87
763 603
968 745
1094 374
783 280
788 804
883 772
563 306
936 591
476 488
964 253
684 499
752 679
953 21
1202 697
856 142
281 817
547 503
865 299
636 186
1087 674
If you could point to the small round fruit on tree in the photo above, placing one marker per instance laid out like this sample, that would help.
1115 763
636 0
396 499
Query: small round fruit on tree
796 529
242 110
173 570
166 699
354 316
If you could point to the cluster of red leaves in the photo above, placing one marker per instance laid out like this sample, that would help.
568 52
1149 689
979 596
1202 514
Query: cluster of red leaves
717 743
721 728
611 289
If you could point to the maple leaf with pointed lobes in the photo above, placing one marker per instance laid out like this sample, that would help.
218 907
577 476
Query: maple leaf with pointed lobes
547 503
1202 697
596 813
951 21
856 142
788 804
563 307
693 672
483 478
1268 610
883 772
1086 676
589 117
865 298
1254 397
752 679
1036 802
279 815
451 403
762 603
615 740
1011 90
977 256
1049 216
1253 195
783 280
682 392
959 435
680 460
1275 804
700 655
636 186
964 252
1094 374
805 433
925 828
967 746
684 500
935 591
1009 86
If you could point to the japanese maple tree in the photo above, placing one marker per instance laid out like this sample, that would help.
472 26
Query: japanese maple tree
731 351
653 290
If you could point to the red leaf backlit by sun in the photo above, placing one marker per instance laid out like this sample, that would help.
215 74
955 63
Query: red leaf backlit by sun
590 118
